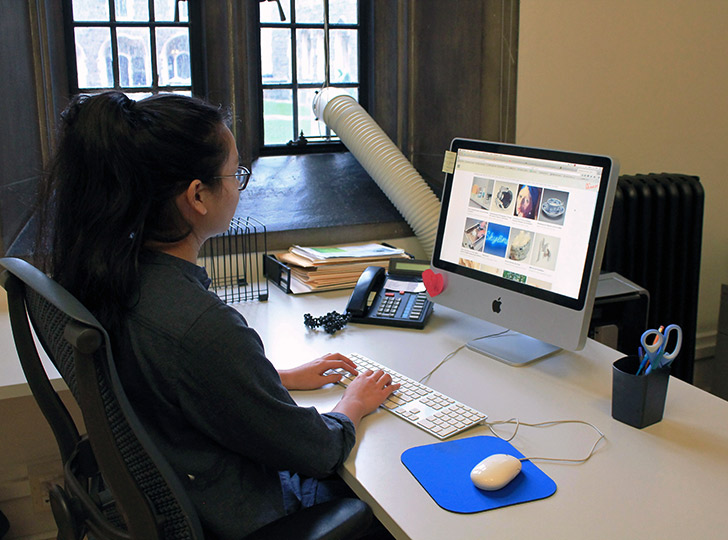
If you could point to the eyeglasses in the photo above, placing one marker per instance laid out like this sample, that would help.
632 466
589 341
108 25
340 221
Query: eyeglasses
242 175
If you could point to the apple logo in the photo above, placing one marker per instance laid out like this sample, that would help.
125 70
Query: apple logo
497 305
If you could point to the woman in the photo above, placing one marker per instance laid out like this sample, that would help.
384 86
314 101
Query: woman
134 191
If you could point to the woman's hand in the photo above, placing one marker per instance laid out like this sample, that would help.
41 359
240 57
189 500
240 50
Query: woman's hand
312 375
365 393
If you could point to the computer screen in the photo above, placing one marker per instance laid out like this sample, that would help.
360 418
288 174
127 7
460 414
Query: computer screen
520 241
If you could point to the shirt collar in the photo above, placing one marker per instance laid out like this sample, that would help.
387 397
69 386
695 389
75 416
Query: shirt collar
198 273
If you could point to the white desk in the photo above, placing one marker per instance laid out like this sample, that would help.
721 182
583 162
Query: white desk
12 378
669 480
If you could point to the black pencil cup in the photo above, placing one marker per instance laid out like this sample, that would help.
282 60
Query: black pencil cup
638 400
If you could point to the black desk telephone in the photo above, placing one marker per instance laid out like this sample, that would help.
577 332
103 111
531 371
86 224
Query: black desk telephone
394 298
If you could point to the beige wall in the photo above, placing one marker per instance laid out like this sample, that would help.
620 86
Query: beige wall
645 81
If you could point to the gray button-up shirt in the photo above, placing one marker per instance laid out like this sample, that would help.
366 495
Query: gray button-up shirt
198 378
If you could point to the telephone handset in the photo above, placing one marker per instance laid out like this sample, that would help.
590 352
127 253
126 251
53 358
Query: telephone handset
394 298
370 281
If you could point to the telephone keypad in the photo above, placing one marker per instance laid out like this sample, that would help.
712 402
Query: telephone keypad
389 305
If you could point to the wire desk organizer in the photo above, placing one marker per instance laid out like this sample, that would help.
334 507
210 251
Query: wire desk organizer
234 261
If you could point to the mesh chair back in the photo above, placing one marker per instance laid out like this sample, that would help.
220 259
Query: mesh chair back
51 309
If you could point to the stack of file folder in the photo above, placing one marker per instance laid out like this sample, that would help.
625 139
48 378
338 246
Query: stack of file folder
333 267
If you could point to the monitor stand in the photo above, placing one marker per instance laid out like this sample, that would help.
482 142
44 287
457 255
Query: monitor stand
512 348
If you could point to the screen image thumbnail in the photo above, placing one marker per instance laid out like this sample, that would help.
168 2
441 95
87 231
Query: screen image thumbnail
474 235
527 201
546 251
504 198
496 239
521 245
553 206
481 192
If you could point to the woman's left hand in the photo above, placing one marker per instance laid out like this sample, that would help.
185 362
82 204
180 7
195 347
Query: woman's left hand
313 375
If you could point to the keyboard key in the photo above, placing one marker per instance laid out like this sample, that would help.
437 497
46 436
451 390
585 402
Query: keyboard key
426 424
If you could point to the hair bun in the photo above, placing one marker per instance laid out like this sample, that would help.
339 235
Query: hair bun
129 103
70 114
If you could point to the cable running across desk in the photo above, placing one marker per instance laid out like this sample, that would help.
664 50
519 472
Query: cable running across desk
419 404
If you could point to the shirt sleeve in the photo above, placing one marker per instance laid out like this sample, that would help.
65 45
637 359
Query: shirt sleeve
230 391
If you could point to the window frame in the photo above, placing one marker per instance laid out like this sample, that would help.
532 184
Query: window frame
195 28
312 147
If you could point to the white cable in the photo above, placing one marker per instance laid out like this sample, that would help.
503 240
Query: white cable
516 421
427 376
548 424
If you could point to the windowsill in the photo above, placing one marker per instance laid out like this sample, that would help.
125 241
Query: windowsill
318 199
309 199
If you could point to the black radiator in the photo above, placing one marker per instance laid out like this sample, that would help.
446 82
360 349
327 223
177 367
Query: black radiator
654 240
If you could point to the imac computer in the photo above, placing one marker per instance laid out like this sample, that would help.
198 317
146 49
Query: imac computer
519 244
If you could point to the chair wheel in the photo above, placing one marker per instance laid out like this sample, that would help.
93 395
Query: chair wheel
4 525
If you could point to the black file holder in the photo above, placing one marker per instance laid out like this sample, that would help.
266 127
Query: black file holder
277 273
232 261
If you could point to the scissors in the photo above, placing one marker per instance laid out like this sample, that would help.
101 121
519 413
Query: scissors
654 343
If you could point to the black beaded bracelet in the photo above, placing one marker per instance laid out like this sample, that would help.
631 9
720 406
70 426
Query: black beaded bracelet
331 322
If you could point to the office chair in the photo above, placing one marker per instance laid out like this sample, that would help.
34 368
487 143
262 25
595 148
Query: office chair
116 455
4 525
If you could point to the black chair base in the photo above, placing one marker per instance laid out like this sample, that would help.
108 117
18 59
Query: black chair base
341 518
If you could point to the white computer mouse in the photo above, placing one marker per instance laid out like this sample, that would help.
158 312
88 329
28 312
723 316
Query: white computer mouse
495 472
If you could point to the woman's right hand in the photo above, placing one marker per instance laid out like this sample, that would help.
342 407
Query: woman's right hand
365 393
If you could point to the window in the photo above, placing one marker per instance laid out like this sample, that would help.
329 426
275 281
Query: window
140 47
304 46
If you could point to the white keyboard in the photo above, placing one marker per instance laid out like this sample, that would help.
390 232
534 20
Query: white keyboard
419 404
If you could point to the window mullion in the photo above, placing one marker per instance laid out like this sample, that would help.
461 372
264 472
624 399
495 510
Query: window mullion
294 71
327 76
153 47
327 58
114 45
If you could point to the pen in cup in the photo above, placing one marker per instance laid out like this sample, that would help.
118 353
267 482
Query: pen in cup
643 360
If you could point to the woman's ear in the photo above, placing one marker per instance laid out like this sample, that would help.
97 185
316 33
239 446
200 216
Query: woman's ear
195 198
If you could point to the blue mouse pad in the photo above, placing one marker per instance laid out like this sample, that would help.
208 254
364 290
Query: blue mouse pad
444 468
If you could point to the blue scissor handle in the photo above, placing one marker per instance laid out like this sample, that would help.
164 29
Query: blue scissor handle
655 342
666 335
652 341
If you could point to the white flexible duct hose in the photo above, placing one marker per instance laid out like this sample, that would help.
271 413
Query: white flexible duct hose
384 162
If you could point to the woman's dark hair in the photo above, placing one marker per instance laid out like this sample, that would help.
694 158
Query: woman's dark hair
112 185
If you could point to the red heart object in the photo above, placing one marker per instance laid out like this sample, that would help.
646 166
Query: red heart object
434 283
